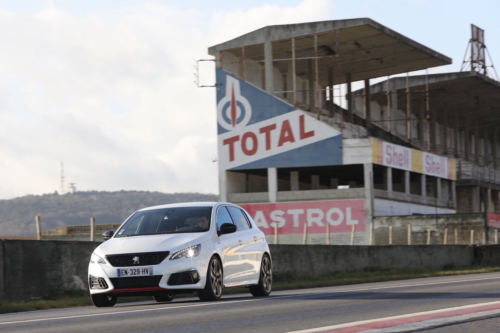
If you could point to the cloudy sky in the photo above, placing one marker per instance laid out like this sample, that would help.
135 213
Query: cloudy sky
106 86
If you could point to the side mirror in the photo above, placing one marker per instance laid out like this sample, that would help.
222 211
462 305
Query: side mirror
107 234
227 228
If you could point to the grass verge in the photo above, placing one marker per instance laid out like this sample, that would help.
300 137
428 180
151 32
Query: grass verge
282 282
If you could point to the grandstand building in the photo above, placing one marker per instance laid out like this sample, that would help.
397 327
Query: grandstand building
325 138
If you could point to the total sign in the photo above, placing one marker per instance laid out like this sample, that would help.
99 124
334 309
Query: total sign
290 217
257 130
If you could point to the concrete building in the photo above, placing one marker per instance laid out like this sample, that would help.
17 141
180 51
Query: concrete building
315 159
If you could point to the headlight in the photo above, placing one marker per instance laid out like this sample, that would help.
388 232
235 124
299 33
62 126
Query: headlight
96 259
189 252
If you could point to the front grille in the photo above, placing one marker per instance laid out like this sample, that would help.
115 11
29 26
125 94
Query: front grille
144 259
136 282
190 277
97 283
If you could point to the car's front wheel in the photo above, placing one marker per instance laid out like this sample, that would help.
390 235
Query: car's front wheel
163 297
214 286
103 300
265 279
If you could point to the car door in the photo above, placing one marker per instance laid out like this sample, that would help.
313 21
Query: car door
249 252
229 246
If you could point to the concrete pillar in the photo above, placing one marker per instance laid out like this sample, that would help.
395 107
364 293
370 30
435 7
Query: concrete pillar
388 179
423 186
433 130
272 184
444 132
394 114
329 74
334 183
476 141
222 186
268 63
439 195
367 103
349 98
312 86
487 201
494 147
476 199
467 139
314 182
294 180
421 123
407 182
369 209
290 83
457 136
453 185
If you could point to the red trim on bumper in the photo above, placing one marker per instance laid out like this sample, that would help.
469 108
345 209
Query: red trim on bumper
136 289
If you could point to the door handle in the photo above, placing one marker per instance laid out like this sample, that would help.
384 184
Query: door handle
255 238
240 242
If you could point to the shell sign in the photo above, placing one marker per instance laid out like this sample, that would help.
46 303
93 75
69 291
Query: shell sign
404 158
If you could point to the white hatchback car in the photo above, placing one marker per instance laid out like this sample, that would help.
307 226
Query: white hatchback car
181 248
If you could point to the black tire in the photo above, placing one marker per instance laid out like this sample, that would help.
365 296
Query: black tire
103 300
214 286
163 297
265 278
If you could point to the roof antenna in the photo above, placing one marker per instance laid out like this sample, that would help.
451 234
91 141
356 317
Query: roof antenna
478 51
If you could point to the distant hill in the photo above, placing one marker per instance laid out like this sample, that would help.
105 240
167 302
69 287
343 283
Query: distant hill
17 215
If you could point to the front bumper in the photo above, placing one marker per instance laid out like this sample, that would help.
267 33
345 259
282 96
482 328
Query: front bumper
103 278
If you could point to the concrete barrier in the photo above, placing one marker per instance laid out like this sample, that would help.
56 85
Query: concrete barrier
35 268
328 259
31 268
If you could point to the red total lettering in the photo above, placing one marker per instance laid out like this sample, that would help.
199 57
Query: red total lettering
255 144
267 132
230 141
302 127
286 134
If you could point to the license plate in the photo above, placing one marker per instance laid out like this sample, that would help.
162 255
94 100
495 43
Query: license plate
142 271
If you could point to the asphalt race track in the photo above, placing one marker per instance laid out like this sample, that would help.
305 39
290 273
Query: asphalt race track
373 307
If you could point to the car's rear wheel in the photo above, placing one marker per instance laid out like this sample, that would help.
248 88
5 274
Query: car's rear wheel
214 286
265 279
163 297
103 300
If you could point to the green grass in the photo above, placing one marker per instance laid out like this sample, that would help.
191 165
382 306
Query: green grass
282 282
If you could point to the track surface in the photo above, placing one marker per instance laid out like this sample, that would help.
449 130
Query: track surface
283 311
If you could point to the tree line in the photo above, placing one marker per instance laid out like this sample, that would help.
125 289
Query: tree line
17 215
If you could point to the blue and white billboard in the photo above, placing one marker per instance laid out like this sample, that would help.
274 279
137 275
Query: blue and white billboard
257 130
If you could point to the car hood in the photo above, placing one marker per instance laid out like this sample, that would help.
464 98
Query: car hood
151 243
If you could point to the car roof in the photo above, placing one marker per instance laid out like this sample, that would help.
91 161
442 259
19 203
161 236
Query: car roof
185 204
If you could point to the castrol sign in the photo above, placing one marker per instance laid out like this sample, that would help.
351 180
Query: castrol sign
257 130
290 217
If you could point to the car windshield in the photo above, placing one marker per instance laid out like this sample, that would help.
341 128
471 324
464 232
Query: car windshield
167 221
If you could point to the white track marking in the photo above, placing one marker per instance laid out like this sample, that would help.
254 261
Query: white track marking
361 322
247 300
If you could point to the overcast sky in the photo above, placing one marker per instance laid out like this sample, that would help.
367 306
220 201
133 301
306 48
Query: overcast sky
107 86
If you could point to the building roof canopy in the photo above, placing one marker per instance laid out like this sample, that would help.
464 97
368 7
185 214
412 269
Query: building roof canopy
361 47
470 96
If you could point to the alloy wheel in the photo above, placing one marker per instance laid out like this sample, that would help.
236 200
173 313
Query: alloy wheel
216 277
266 274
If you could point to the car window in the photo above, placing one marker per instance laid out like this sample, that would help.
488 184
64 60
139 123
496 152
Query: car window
238 218
223 217
167 221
